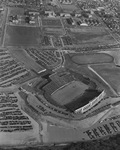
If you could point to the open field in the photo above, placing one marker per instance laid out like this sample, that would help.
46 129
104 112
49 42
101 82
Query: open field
51 22
110 73
114 53
89 29
16 11
68 93
85 59
92 35
22 36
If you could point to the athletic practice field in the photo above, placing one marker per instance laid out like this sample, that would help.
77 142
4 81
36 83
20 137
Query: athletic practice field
22 36
69 92
84 59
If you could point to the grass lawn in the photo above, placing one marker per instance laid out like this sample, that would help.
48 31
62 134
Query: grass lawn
16 11
69 92
114 53
91 35
110 73
22 36
85 59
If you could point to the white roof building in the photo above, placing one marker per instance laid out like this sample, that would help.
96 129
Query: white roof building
32 22
50 13
84 24
65 1
65 15
1 9
77 15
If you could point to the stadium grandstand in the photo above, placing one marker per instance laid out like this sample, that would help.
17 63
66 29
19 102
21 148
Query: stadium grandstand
70 91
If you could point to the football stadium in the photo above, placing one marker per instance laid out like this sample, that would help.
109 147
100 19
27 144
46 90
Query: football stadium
59 72
70 91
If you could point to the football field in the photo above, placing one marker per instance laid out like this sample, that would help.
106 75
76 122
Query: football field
69 92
